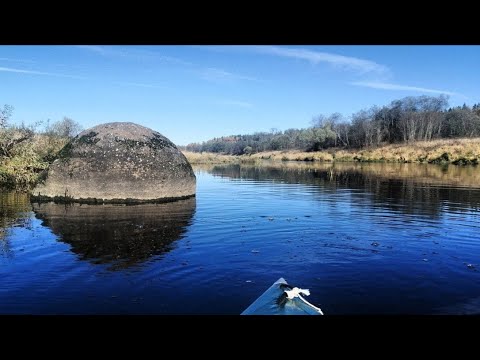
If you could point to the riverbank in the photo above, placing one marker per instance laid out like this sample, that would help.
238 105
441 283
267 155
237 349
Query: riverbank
454 151
21 171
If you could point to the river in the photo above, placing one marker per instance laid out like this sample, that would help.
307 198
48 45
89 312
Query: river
364 238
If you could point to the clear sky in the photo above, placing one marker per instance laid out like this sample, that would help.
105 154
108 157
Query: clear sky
195 93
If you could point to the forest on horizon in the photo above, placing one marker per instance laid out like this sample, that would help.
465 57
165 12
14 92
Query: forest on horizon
406 120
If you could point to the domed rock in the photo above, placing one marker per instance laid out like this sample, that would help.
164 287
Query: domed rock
118 162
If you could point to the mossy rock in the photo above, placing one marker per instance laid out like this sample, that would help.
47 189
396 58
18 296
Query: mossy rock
465 161
442 159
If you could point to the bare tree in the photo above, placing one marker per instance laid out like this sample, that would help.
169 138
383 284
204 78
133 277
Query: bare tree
12 136
5 115
65 128
343 133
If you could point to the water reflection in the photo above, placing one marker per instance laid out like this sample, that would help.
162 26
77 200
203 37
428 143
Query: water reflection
14 211
409 188
364 238
122 236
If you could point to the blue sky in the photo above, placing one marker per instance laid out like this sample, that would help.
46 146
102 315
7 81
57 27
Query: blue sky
194 93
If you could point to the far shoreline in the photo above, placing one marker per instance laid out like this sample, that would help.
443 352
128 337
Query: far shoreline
462 151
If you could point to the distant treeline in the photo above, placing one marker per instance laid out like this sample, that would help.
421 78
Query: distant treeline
406 120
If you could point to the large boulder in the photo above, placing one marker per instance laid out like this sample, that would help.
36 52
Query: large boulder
118 162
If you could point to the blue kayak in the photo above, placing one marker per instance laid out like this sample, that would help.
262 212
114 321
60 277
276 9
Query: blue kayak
282 299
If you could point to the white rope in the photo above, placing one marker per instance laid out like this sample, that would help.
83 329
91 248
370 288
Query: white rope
296 292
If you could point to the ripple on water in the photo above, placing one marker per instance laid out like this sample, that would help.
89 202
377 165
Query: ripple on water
249 225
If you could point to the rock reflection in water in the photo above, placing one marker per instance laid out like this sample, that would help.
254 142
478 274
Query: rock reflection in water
119 235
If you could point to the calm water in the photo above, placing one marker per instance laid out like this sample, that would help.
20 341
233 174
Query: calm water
365 239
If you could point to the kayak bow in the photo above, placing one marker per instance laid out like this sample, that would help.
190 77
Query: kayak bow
282 299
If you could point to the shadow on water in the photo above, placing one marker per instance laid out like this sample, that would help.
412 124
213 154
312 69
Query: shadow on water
119 235
407 188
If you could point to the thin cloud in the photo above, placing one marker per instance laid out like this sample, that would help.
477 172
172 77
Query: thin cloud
243 104
33 72
358 65
215 75
17 60
93 48
388 86
209 74
132 54
153 86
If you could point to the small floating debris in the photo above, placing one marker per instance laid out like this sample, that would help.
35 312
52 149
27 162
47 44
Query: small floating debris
471 266
255 251
425 259
374 243
270 219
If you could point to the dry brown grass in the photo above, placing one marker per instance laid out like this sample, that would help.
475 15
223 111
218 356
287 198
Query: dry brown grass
295 155
210 158
456 150
424 151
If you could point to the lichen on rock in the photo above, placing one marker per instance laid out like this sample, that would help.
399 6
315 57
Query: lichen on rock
117 162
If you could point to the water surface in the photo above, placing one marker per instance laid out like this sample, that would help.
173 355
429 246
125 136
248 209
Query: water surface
364 238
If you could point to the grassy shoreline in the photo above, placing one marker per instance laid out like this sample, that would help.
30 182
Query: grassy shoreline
443 151
21 171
